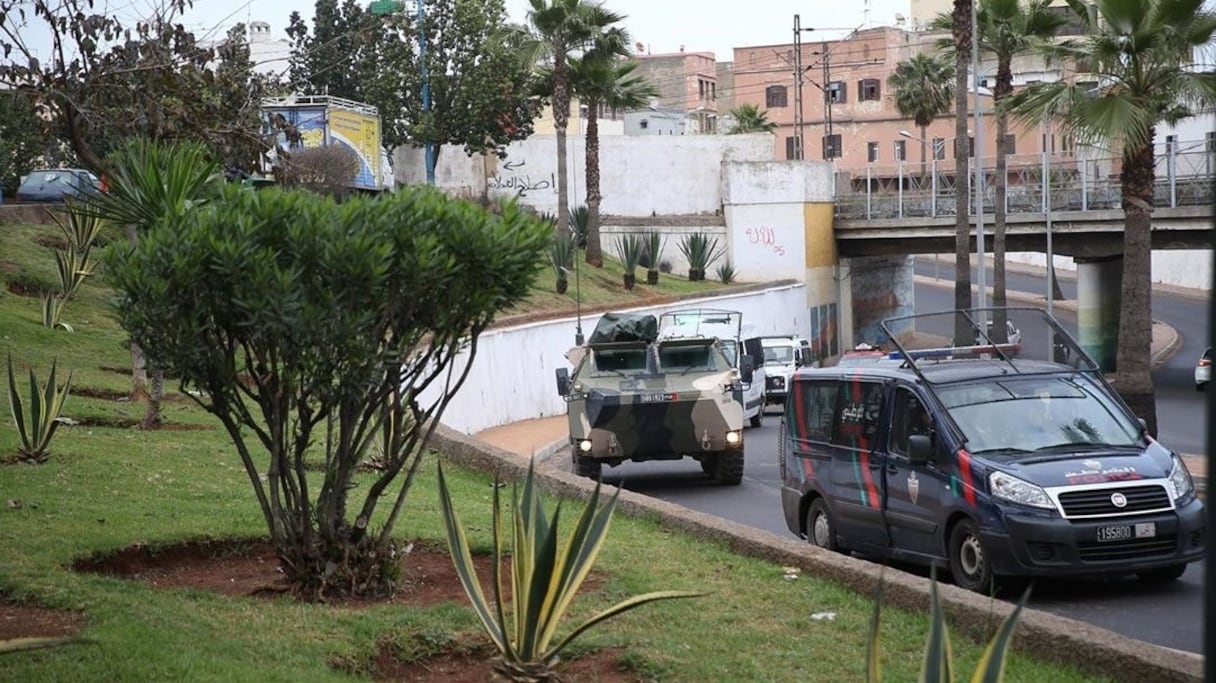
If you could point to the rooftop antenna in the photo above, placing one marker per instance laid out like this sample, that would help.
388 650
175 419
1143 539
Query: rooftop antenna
867 14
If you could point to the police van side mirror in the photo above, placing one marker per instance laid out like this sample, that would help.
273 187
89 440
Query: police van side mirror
920 449
563 381
747 369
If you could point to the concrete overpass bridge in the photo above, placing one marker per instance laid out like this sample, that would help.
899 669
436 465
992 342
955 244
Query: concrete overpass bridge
894 211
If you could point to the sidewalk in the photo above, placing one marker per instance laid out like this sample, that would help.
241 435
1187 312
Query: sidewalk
543 437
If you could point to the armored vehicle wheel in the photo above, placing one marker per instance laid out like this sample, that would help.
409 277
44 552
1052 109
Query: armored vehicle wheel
585 466
820 531
708 463
757 420
968 562
1162 574
728 468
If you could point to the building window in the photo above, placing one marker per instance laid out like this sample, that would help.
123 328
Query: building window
791 148
939 148
901 150
1209 140
970 147
774 96
836 92
868 89
701 87
713 91
1011 143
831 146
871 152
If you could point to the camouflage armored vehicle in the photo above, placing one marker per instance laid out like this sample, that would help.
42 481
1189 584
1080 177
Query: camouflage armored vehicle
633 395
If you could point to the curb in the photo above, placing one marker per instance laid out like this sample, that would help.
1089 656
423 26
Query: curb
1040 634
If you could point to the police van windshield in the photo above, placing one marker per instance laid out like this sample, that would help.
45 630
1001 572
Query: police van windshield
1038 415
781 355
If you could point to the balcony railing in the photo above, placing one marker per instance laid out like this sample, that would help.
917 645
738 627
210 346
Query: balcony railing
1184 173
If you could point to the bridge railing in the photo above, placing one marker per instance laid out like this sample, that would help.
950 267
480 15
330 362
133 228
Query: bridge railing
910 189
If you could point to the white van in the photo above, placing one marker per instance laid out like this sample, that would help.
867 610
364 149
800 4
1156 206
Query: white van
729 328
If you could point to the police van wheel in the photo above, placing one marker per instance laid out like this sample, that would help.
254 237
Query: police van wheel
820 531
728 468
968 562
757 420
585 466
1162 574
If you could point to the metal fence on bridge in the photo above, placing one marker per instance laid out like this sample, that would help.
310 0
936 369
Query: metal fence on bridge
1184 175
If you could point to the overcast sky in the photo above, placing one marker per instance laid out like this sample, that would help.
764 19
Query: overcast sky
664 25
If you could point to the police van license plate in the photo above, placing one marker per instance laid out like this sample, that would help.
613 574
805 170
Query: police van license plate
1127 532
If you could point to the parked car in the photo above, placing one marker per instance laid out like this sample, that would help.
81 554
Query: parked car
55 184
1203 370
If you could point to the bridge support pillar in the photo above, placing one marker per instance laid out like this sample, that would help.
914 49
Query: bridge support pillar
1099 281
880 287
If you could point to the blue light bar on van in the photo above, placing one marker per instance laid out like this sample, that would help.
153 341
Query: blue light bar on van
978 351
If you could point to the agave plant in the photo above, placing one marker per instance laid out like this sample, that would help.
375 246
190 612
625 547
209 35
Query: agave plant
545 576
629 249
52 309
578 225
654 252
726 272
561 257
938 666
701 251
45 406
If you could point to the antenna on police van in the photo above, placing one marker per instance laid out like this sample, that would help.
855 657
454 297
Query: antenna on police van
578 300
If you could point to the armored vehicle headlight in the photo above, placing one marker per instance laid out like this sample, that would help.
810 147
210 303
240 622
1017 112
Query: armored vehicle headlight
1180 479
734 437
1018 491
585 445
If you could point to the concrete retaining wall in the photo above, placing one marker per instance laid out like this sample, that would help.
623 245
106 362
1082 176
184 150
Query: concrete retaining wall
513 373
1039 634
1179 267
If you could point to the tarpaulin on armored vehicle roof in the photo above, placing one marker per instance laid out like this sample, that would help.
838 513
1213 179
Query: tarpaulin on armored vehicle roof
625 327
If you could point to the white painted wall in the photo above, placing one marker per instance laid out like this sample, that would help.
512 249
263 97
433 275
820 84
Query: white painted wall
1179 267
513 375
767 241
639 175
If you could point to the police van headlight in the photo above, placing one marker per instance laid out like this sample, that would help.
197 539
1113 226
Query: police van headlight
1018 491
1180 479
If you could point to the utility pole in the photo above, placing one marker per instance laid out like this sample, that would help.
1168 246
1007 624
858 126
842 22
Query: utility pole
385 8
798 120
982 275
829 152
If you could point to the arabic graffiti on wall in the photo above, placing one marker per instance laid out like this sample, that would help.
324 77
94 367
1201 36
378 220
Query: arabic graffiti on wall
520 183
767 238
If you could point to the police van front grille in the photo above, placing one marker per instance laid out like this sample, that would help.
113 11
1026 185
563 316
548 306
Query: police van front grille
1091 551
1099 503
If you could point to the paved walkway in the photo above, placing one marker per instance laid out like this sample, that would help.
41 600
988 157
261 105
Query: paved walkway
542 437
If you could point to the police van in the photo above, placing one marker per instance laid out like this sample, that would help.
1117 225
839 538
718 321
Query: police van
985 462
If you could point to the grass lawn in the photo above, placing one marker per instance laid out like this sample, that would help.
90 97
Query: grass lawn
106 488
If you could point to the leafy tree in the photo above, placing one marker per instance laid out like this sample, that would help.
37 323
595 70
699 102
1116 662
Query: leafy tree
152 185
1144 51
1007 28
923 86
600 78
23 138
105 81
328 339
482 80
749 118
562 29
352 54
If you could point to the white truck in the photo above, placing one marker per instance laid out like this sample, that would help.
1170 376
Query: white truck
782 355
729 329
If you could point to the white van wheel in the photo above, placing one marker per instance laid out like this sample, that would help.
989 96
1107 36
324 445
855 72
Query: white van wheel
757 420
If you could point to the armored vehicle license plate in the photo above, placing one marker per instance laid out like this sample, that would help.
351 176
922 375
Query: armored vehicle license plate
1126 532
658 396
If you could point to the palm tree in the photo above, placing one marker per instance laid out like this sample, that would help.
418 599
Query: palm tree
750 119
1142 50
601 78
150 184
563 28
924 90
961 33
1007 28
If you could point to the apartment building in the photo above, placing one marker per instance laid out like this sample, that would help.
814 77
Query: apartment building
687 82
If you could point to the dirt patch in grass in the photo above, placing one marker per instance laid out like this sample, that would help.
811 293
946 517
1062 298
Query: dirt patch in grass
51 242
104 394
19 620
20 288
251 568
